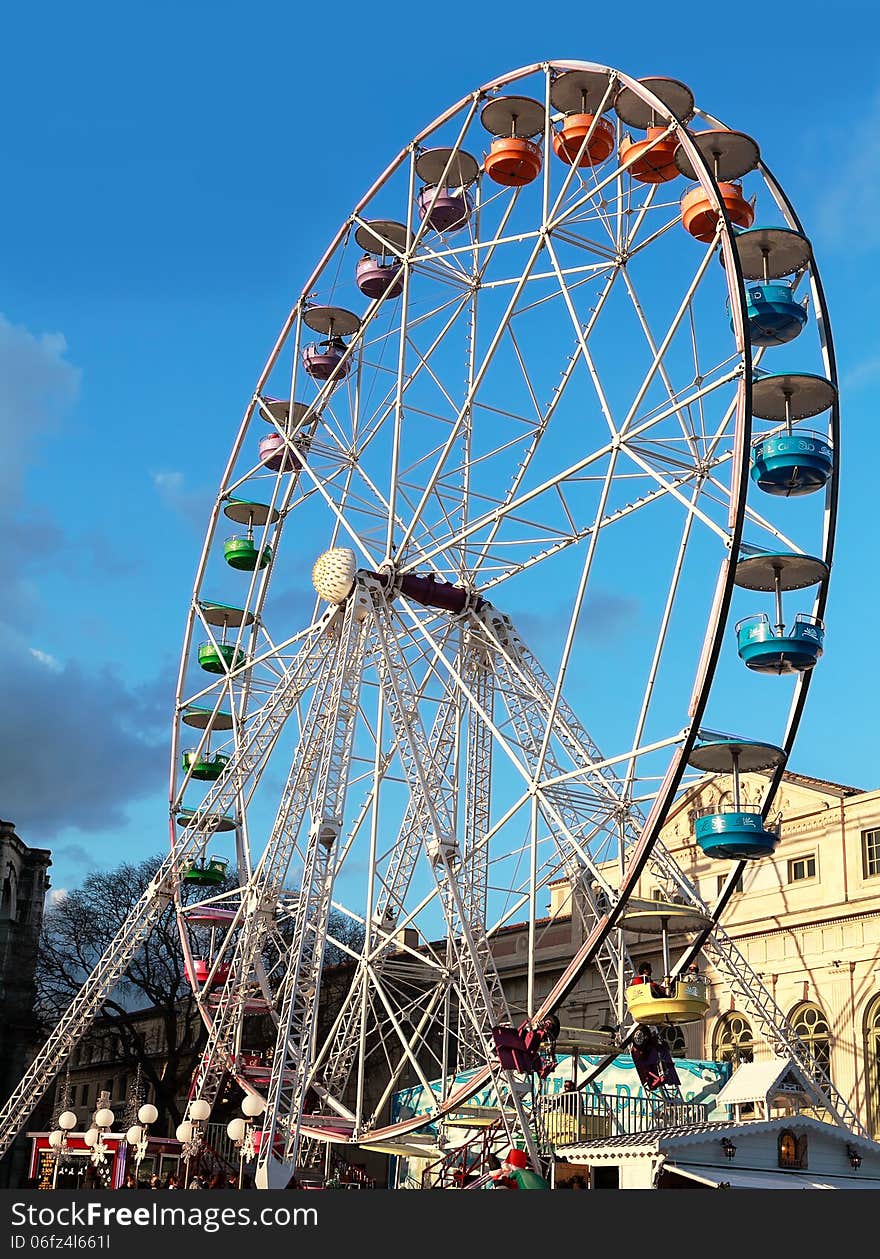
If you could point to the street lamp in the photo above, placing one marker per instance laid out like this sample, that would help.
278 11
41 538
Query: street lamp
58 1141
241 1131
189 1133
137 1134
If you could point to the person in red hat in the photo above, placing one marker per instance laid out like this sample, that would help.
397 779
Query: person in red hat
515 1172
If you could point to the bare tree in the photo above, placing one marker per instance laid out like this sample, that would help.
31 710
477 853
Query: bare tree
76 932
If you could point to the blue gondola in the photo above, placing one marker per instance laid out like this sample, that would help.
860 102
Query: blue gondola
791 464
737 832
768 647
774 313
738 835
767 650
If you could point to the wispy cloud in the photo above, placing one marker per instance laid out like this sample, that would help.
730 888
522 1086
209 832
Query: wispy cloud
853 182
192 504
46 659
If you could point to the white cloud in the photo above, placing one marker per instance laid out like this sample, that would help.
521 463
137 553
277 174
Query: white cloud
169 484
37 386
56 895
45 659
192 505
853 180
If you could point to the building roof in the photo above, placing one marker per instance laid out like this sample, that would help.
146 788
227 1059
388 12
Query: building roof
673 1141
822 784
752 1178
755 1081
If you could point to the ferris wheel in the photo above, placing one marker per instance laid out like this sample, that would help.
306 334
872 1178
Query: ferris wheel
541 413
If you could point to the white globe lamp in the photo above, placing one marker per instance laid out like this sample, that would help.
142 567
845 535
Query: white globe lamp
235 1129
253 1106
199 1110
148 1113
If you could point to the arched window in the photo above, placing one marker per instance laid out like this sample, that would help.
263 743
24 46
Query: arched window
811 1028
674 1037
872 1066
733 1041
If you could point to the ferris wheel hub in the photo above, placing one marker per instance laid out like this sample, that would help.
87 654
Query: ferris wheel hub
333 574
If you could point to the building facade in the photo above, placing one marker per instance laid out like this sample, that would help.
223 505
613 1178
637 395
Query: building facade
24 883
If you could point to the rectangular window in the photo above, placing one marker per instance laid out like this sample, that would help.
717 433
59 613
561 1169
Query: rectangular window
800 868
722 879
871 854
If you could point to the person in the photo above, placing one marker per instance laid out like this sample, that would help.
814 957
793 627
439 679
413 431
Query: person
217 1181
693 970
644 976
155 1182
515 1168
131 1181
197 1182
172 1182
578 1182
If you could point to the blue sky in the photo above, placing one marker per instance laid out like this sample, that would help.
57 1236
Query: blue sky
171 176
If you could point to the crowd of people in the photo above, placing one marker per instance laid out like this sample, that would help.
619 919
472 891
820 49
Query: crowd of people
174 1181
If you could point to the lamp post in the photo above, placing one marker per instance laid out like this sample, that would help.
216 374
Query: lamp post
137 1134
102 1122
241 1131
190 1132
58 1140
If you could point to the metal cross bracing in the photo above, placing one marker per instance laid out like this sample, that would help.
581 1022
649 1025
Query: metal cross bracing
572 818
477 669
345 1040
258 739
478 987
297 1026
252 930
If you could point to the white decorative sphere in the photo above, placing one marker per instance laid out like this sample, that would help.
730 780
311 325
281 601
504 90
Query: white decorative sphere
333 574
253 1106
148 1113
104 1118
184 1132
92 1137
56 1138
235 1129
67 1120
135 1134
200 1109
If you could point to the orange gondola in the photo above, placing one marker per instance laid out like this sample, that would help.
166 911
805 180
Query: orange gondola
652 160
513 162
700 217
514 159
575 127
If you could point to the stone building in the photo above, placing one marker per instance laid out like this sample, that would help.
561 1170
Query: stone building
23 886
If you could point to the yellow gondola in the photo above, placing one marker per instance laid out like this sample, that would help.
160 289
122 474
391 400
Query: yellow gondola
688 1004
